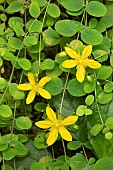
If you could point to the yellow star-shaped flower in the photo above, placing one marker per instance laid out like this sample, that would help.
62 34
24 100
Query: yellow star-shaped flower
35 88
56 126
81 61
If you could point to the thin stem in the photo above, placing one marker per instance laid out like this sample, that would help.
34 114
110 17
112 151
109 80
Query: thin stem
64 150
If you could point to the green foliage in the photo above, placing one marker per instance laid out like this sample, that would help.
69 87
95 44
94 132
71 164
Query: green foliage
34 35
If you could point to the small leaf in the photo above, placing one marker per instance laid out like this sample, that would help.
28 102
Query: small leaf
38 165
89 99
34 25
53 10
14 6
24 63
101 72
103 164
73 145
5 112
3 83
23 123
41 107
15 43
109 122
108 87
96 129
88 112
47 64
108 135
34 9
104 98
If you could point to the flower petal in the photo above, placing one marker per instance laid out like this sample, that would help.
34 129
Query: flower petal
92 63
80 74
69 120
69 63
44 93
43 81
24 87
44 124
31 78
52 136
30 96
65 134
86 51
71 53
51 114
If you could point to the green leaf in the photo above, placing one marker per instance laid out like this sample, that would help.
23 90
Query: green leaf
108 135
41 107
15 43
88 112
96 9
69 25
22 138
39 143
38 165
103 164
51 37
23 123
104 98
36 48
3 83
14 20
81 110
101 72
55 86
6 167
109 122
108 87
24 63
100 55
91 36
47 64
96 129
34 25
15 92
76 88
19 30
15 6
89 99
92 23
53 10
9 154
34 10
73 5
75 13
55 71
5 112
73 145
41 3
8 56
3 144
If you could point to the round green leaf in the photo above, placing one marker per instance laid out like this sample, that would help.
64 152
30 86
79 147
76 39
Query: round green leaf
38 165
55 71
15 92
109 122
36 48
53 10
107 20
24 63
76 88
88 112
9 154
5 112
15 6
3 144
18 29
89 99
96 129
41 3
9 137
34 9
100 55
103 164
69 25
108 87
51 37
75 13
47 64
34 25
55 86
108 135
91 36
73 145
92 23
41 107
23 123
104 98
6 167
15 43
39 143
3 83
73 5
101 72
96 9
22 138
8 56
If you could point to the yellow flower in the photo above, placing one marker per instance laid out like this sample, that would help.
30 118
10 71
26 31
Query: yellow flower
56 126
81 61
35 88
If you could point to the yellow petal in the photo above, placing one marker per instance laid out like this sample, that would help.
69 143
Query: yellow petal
92 63
65 134
51 114
44 93
31 78
43 81
80 74
87 51
71 53
30 97
52 136
69 63
44 124
69 120
24 87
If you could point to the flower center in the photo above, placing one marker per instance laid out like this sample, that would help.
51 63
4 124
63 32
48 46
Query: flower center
80 61
35 87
